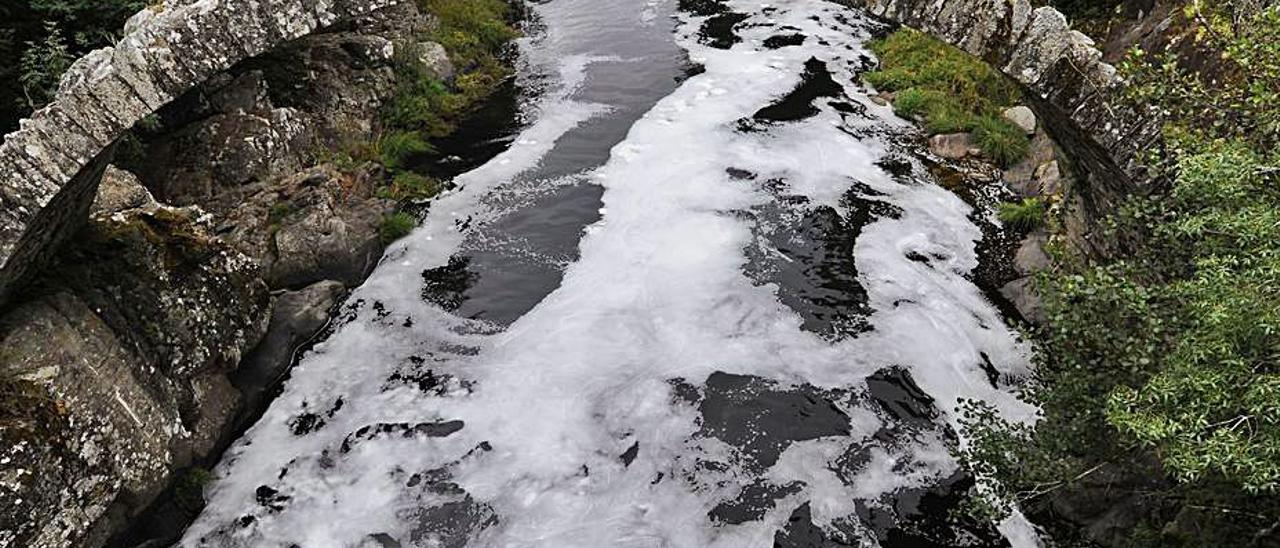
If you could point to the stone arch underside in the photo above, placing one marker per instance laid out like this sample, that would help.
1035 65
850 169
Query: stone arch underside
51 166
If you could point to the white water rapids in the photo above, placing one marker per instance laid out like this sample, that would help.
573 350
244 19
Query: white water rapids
644 402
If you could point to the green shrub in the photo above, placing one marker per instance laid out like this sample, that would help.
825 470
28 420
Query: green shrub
407 185
1000 140
1025 215
397 148
396 225
40 38
43 63
188 490
1163 366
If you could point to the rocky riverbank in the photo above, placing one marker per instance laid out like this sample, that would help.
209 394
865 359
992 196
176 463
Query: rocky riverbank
216 247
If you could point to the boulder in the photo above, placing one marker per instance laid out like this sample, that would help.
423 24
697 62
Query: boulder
436 60
296 318
1030 257
1021 293
952 146
113 372
1023 177
318 224
1049 178
121 191
1022 117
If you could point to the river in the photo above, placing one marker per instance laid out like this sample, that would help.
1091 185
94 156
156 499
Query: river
704 296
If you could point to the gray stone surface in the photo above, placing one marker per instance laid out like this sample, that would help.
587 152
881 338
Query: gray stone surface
952 146
121 362
1022 117
296 318
1031 257
121 191
168 49
436 59
1021 292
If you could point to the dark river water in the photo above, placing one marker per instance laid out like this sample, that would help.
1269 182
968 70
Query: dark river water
702 296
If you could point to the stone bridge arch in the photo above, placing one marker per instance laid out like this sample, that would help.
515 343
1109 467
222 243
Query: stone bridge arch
1077 96
51 166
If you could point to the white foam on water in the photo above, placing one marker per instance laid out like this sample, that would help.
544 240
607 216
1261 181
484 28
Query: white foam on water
659 293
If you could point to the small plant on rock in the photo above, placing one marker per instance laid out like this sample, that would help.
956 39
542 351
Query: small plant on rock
1000 140
1025 215
396 225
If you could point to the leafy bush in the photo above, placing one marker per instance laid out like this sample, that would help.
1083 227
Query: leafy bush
397 148
42 66
40 38
1164 365
396 225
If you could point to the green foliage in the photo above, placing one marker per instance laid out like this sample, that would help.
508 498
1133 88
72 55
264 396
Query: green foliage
410 186
397 148
40 38
949 90
42 66
1025 215
475 34
1237 102
1000 140
1166 363
396 225
188 491
912 59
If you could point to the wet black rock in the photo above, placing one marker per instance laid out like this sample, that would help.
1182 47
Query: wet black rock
447 285
900 397
815 82
405 430
630 454
703 7
719 31
762 418
800 532
752 502
784 40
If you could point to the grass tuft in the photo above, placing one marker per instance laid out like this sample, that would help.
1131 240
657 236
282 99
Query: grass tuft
949 90
1000 140
396 225
1025 215
396 149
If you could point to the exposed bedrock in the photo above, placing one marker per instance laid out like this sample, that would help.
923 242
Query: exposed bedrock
184 285
48 168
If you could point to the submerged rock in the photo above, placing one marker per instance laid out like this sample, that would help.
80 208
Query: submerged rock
952 146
